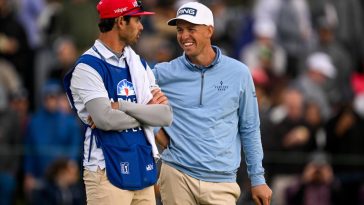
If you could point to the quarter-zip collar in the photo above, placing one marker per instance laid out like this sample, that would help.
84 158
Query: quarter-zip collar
193 66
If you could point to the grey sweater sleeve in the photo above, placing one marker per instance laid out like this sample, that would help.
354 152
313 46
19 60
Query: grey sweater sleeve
152 115
106 118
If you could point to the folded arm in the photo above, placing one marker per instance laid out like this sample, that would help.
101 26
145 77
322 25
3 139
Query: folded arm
152 115
106 118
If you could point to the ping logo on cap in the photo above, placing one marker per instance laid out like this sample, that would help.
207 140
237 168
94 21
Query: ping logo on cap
187 11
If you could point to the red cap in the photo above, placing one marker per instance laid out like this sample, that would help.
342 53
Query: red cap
116 8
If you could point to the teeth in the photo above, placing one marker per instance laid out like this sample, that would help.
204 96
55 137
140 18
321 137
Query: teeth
188 44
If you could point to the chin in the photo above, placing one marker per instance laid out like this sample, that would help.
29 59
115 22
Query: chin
189 52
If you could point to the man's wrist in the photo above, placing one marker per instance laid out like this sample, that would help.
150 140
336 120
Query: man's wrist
257 180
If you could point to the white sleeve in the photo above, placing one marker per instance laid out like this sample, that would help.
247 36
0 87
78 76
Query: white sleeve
87 84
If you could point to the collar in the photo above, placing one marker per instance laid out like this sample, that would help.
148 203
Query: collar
106 52
217 59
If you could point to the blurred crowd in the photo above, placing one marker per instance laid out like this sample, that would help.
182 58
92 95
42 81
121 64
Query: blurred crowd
306 58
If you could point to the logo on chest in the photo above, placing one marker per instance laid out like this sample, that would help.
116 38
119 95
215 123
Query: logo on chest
221 86
125 88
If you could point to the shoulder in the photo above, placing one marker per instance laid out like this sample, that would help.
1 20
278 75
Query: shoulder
166 67
234 65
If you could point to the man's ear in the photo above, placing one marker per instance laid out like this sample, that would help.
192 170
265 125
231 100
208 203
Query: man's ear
119 21
210 31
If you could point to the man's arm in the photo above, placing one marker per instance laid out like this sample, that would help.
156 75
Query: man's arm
106 118
249 128
152 115
162 138
156 113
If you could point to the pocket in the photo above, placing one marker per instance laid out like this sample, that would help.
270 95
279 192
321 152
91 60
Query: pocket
149 169
130 168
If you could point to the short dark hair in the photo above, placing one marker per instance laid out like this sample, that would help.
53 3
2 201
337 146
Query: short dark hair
106 25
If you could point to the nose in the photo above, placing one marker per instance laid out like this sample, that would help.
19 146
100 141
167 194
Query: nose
183 34
141 27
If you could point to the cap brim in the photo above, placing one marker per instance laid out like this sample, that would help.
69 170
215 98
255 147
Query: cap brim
142 13
172 22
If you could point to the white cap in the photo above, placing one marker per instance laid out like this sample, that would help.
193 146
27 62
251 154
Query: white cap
359 104
321 62
195 13
265 28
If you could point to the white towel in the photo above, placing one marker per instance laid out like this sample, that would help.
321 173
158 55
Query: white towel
143 79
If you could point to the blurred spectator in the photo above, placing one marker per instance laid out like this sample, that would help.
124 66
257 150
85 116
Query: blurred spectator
62 185
51 134
77 20
226 18
350 28
156 49
340 91
358 104
14 45
47 21
345 142
315 124
323 10
165 10
294 33
28 14
319 70
18 102
9 77
291 143
10 150
316 186
66 55
357 82
291 133
267 9
264 53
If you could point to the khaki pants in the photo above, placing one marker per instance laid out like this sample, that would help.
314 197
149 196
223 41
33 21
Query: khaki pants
178 188
99 191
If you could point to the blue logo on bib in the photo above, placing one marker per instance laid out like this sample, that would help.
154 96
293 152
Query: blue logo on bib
125 88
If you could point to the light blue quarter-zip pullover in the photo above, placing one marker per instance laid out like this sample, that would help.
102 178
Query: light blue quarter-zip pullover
215 114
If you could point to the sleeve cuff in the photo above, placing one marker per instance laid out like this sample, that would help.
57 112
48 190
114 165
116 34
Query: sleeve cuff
155 130
257 180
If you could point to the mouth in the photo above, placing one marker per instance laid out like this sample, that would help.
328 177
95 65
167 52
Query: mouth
187 45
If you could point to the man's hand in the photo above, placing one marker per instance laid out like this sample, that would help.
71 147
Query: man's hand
158 97
91 122
162 138
261 194
115 105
